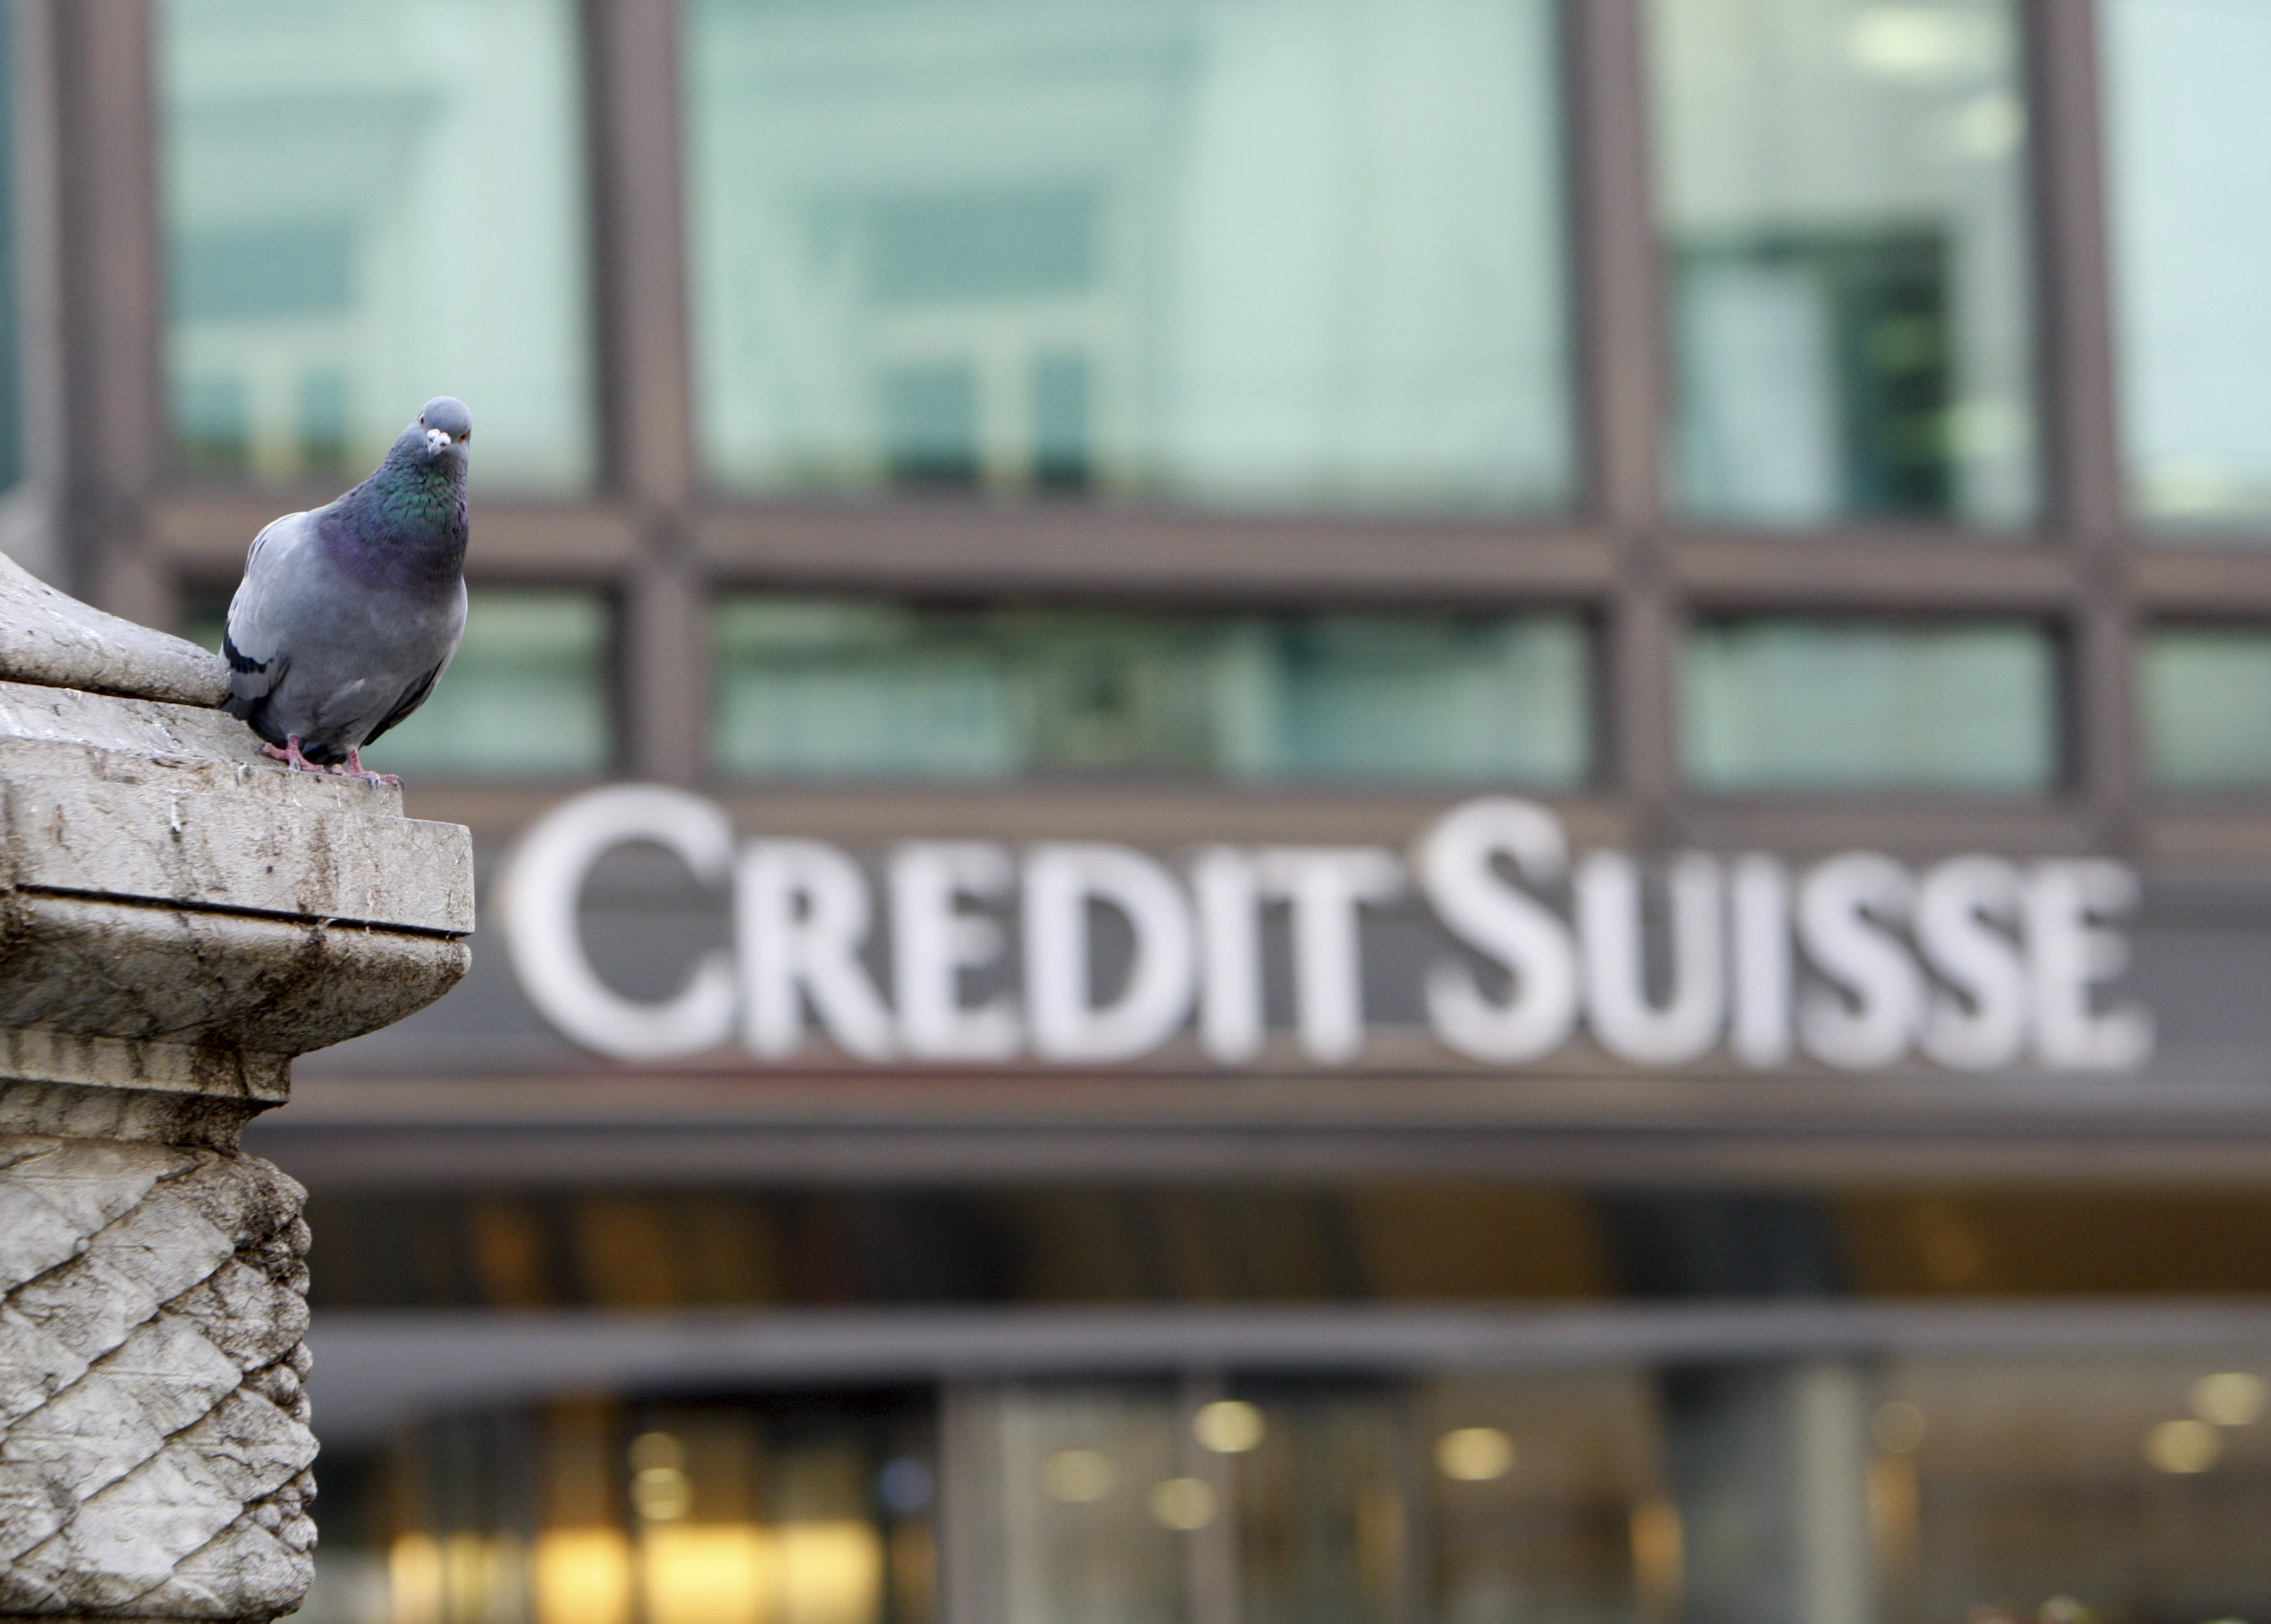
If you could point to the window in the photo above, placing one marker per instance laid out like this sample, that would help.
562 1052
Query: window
1774 703
2205 695
2191 219
367 205
1299 255
1840 194
865 688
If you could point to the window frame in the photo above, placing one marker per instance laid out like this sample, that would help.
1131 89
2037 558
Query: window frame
663 546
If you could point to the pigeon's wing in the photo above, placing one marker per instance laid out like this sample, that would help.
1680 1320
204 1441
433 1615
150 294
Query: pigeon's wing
255 642
415 694
412 699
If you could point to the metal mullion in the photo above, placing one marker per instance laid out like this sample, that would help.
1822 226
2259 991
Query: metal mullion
1621 364
2080 409
632 69
1861 572
109 298
945 546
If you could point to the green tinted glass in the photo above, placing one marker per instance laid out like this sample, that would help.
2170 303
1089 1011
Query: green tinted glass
1838 704
1304 254
2190 216
528 693
2205 693
1842 200
368 203
863 688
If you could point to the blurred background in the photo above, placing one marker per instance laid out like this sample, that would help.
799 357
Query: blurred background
1773 429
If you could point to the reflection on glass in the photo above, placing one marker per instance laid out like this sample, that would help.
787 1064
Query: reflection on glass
1576 1524
1320 1513
819 687
2078 1485
2205 692
1081 1472
527 694
2191 219
1305 253
1841 202
1777 704
365 205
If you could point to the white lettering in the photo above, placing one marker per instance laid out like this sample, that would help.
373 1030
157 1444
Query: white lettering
2070 955
802 912
1456 864
1976 962
1759 911
542 885
1847 910
1229 895
1326 884
1061 882
1616 991
1964 908
933 942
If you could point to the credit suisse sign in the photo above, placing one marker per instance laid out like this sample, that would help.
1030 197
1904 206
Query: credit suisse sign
1976 963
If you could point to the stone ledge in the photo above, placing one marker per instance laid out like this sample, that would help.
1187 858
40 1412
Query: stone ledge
55 640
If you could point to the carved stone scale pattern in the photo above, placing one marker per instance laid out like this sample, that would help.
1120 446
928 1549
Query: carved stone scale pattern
179 918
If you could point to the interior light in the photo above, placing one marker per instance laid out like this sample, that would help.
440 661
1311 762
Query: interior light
1182 1504
1077 1476
2229 1399
1228 1426
1474 1454
2183 1447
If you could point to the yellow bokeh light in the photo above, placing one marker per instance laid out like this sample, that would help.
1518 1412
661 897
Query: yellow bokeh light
2229 1399
1077 1476
2183 1447
1228 1426
1474 1454
1182 1503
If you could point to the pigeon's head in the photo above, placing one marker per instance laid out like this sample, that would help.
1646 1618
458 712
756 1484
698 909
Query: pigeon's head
446 427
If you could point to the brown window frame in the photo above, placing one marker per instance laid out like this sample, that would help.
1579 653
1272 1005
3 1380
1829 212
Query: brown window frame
651 535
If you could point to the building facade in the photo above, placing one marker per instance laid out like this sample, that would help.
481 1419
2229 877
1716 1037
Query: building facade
1291 809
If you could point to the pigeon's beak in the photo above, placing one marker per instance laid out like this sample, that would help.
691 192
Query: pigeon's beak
436 441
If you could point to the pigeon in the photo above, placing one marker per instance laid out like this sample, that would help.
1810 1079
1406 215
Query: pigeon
348 616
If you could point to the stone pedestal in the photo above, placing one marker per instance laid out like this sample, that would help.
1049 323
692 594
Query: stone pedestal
179 918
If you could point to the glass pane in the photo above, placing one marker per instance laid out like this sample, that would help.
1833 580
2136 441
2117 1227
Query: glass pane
2190 217
1843 206
2105 1489
369 205
2206 694
1837 705
1300 253
1096 1502
820 687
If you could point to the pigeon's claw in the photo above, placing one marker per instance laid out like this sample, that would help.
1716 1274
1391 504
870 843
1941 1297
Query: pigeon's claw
290 755
355 768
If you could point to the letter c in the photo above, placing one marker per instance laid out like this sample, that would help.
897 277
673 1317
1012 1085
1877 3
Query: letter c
539 891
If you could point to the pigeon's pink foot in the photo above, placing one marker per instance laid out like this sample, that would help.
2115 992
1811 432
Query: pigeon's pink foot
290 755
355 768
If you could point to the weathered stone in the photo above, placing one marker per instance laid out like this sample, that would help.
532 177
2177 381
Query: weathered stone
55 639
179 918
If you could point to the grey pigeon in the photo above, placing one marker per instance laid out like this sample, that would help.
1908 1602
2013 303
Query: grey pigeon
348 616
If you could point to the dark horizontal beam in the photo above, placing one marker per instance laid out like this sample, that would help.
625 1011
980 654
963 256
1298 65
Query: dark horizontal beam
374 1369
